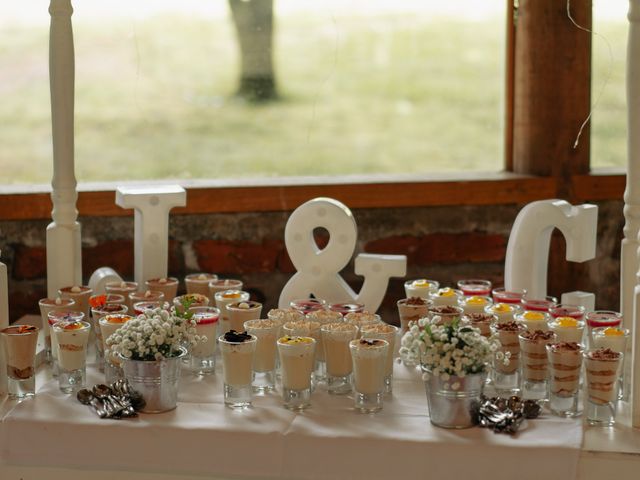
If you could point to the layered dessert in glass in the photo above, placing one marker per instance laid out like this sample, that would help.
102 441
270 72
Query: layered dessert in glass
336 338
202 360
267 333
601 318
539 304
412 309
238 350
446 314
222 285
535 364
101 306
506 375
108 326
512 296
603 367
166 285
421 288
72 339
146 296
20 354
369 357
616 339
48 305
481 321
307 305
346 307
189 300
534 320
296 358
54 317
388 333
80 294
565 362
567 329
225 298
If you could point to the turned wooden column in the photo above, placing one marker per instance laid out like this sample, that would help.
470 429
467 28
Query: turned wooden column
552 90
64 256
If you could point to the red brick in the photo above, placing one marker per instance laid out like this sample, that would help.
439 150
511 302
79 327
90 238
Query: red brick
443 248
117 254
30 262
226 257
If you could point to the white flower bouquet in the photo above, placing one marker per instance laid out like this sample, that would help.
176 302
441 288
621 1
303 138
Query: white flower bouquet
154 335
456 349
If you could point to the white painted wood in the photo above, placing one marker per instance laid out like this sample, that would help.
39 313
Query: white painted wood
528 248
318 270
64 254
151 218
4 322
630 244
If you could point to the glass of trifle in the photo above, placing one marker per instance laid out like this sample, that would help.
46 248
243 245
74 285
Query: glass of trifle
603 370
506 375
535 363
72 339
565 363
202 360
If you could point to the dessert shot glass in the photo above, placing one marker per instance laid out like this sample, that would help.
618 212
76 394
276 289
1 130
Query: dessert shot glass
240 312
481 321
504 312
535 364
48 305
225 298
79 294
421 288
308 305
369 358
140 307
567 329
565 364
112 363
616 339
347 307
474 303
512 296
603 370
99 310
122 288
307 328
19 343
412 309
202 360
445 297
388 333
322 317
601 318
538 304
360 319
238 351
146 296
72 339
267 333
54 317
446 313
506 374
564 310
166 285
296 358
189 300
475 287
199 283
336 338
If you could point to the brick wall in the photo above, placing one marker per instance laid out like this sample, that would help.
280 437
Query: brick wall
443 243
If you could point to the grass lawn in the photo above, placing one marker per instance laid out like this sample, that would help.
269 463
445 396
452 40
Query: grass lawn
388 93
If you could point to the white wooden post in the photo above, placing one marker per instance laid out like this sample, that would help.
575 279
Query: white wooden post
64 254
4 322
630 298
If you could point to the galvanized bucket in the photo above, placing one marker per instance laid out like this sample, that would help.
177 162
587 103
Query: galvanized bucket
452 402
157 381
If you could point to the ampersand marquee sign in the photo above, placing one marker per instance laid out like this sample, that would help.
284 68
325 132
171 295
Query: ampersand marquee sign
318 269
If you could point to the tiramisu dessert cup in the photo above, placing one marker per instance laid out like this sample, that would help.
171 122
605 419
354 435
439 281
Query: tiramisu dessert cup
601 318
124 289
336 338
72 339
474 303
202 360
603 367
166 285
504 312
225 298
222 285
506 375
421 287
48 305
446 314
99 308
189 300
535 364
388 333
446 296
567 329
79 294
534 320
108 326
240 312
369 357
267 333
146 296
19 345
481 321
199 283
475 287
238 350
565 362
412 309
616 339
54 317
297 358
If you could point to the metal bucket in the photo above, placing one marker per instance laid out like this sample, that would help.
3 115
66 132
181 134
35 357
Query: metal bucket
157 381
451 407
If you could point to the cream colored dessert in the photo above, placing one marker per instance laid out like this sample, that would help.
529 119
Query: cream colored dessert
240 312
56 316
446 314
384 332
534 354
446 296
613 338
237 358
481 321
504 312
199 283
166 285
267 334
567 329
124 289
421 288
146 296
72 339
369 359
507 334
474 304
306 328
222 285
225 298
603 369
206 319
359 319
533 320
297 360
108 326
336 338
412 309
20 343
49 305
565 362
191 299
324 316
80 294
284 315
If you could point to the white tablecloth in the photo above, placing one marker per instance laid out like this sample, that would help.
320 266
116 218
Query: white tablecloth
329 441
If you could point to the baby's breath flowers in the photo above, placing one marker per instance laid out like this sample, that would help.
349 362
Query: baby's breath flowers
449 350
153 335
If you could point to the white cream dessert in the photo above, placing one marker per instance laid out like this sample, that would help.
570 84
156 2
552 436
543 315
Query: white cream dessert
567 329
384 332
603 369
507 334
206 319
297 360
166 285
614 338
267 334
56 316
237 350
336 338
80 294
446 296
324 316
124 289
240 312
534 320
72 339
199 283
20 343
369 359
49 305
190 299
446 313
505 312
565 362
533 354
222 285
362 318
306 328
284 315
412 309
474 304
421 288
108 326
225 298
146 296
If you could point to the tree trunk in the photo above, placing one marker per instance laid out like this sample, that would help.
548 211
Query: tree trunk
253 21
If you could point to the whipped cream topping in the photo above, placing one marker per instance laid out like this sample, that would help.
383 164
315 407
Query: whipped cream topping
76 289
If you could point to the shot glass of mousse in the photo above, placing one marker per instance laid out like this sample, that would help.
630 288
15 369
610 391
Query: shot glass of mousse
124 289
202 360
565 363
240 312
72 339
79 294
369 358
54 317
226 298
603 370
412 309
535 364
421 287
166 285
388 333
48 305
108 326
267 333
335 338
20 355
617 340
296 358
199 283
238 350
